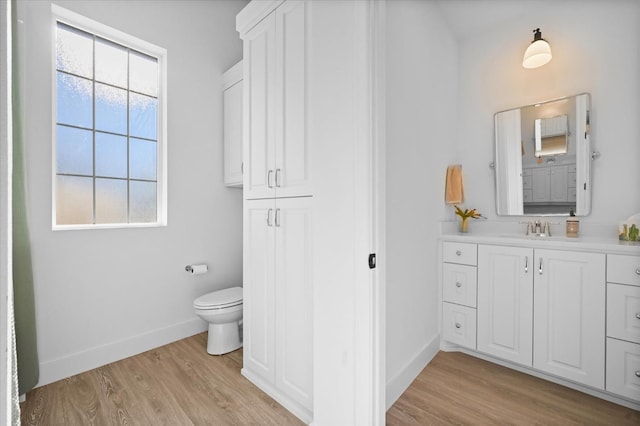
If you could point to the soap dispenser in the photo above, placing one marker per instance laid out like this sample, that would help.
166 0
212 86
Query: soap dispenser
573 225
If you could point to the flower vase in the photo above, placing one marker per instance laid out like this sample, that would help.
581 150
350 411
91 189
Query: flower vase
463 225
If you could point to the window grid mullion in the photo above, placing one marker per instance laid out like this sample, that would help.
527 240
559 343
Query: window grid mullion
93 125
128 136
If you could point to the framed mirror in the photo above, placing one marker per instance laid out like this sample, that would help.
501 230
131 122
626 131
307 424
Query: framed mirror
542 158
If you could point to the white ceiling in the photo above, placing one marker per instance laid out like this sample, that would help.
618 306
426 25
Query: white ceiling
468 17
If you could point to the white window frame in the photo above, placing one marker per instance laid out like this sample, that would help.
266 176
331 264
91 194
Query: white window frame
59 14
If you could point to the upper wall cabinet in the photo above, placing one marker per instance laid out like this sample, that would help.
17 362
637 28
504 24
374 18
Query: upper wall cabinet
276 146
232 100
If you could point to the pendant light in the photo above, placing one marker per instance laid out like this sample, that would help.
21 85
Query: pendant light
538 53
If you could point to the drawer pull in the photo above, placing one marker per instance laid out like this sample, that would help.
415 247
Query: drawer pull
458 325
459 253
460 285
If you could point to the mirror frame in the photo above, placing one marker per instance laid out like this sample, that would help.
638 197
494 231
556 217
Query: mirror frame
509 144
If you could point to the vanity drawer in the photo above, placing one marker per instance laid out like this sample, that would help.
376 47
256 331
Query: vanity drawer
459 325
459 284
463 253
623 312
623 269
623 368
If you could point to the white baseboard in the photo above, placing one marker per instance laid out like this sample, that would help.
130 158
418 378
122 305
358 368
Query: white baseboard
401 381
282 399
79 362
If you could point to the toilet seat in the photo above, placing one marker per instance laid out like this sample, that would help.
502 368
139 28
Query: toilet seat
227 298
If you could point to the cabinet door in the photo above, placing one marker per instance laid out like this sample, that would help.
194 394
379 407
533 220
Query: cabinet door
569 315
558 183
540 185
259 118
232 99
505 302
292 161
294 303
259 284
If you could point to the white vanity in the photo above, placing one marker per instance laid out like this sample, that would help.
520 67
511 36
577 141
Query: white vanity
567 310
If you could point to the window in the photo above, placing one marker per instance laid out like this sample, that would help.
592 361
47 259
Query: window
109 162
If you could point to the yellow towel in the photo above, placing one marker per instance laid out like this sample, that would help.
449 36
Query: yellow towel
454 190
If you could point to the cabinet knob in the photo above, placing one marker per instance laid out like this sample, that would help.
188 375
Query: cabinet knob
458 325
458 284
638 315
459 253
638 270
638 373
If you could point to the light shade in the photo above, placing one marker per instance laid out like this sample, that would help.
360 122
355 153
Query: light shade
538 53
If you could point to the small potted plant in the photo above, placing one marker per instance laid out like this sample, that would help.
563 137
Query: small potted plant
466 214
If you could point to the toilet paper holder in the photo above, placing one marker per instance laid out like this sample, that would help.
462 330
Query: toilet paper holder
197 269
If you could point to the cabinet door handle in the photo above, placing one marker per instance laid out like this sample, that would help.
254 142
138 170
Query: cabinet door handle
540 268
269 173
242 167
458 325
278 218
458 284
458 253
278 174
526 264
269 217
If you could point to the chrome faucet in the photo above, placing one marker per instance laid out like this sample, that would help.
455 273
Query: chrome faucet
537 227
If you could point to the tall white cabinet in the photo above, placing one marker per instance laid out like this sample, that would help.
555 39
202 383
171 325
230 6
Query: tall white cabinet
309 134
278 225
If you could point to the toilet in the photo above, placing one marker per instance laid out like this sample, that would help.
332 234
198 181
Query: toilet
222 309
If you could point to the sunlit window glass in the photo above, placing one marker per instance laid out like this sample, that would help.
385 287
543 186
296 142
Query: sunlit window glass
106 155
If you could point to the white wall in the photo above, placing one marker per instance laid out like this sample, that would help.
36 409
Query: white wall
596 49
420 138
106 294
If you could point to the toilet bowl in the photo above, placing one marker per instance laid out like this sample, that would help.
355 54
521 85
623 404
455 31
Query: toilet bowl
222 309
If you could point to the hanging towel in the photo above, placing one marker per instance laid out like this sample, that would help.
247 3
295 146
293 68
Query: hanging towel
454 191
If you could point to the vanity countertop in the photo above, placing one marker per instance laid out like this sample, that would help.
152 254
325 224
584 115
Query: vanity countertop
596 244
510 234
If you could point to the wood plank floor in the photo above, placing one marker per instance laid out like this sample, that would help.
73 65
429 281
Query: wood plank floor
180 384
463 390
177 384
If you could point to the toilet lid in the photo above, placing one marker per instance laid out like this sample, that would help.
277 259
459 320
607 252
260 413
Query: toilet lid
220 299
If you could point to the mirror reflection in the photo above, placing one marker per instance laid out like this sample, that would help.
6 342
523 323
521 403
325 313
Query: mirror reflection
542 158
